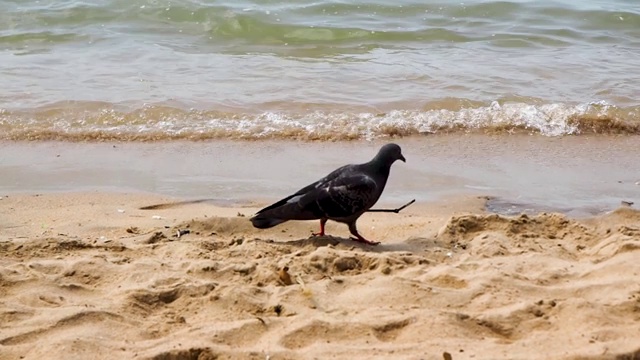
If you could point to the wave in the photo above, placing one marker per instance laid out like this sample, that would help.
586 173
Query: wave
373 22
105 122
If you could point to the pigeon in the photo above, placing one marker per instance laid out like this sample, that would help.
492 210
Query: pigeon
342 196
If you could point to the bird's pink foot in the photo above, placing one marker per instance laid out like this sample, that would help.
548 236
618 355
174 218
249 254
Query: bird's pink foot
360 239
321 232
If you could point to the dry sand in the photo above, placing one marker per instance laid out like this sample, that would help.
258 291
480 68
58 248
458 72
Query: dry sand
93 276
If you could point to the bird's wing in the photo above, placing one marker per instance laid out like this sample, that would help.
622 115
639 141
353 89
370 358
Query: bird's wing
309 188
343 196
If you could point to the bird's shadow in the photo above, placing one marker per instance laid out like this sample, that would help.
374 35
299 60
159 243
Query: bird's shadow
322 241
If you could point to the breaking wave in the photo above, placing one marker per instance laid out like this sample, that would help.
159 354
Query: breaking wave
104 122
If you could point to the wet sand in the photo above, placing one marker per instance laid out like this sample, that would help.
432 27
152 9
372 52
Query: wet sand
584 175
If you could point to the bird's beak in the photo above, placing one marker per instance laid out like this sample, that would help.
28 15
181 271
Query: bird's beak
402 158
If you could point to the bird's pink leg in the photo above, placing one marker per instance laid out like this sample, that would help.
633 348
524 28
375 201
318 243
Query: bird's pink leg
358 237
321 233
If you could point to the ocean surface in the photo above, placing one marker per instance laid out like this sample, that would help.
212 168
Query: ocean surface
133 70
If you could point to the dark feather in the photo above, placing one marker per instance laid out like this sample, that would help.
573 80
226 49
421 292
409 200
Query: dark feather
342 197
322 182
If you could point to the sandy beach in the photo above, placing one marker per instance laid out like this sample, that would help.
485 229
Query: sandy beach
137 139
105 276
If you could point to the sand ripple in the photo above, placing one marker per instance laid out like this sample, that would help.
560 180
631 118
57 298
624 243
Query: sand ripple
472 285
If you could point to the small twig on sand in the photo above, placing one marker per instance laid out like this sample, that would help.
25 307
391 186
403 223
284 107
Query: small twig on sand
393 210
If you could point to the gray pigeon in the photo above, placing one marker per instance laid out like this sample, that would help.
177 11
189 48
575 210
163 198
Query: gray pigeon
342 196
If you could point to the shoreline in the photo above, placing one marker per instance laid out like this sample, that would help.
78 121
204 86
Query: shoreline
581 176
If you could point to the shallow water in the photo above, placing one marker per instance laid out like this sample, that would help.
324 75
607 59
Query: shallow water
328 70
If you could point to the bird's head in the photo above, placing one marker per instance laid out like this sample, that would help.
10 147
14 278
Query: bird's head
389 153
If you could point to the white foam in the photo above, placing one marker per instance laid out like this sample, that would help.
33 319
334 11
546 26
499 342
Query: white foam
555 119
546 119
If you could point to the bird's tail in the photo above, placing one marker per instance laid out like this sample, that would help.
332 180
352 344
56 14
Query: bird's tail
261 221
274 215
